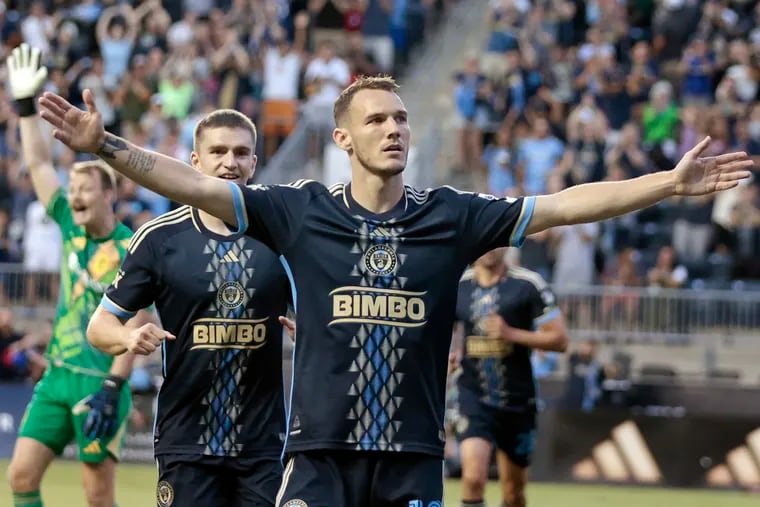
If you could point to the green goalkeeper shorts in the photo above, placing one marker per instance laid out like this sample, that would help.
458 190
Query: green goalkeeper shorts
52 420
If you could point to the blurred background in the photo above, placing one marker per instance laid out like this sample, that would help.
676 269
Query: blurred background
509 97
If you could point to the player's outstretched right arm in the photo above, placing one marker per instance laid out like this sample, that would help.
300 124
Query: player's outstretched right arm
83 131
26 77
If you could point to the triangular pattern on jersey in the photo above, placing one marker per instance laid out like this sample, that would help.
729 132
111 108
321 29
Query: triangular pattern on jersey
220 437
378 355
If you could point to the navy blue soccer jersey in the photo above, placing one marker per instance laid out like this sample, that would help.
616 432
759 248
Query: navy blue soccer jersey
498 373
375 302
221 296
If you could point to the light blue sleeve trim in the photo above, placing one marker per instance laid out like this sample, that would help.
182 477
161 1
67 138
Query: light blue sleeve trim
518 236
543 319
117 310
239 206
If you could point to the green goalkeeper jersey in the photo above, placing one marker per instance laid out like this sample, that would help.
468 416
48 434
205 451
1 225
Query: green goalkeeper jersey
88 267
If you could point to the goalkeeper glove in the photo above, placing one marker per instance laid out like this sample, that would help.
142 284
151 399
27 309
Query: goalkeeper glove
26 77
103 415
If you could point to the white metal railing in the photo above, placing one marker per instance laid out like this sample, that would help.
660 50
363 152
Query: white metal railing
654 313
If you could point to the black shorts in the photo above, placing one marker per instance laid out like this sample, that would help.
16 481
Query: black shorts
212 481
357 478
511 431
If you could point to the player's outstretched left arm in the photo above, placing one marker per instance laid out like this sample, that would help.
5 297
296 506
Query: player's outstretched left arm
83 131
694 175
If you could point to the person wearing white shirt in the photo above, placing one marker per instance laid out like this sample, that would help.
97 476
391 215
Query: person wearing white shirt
326 75
42 252
282 70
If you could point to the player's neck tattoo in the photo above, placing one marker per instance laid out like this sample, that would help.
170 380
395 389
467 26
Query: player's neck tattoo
139 161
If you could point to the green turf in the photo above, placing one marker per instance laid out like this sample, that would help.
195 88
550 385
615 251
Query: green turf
62 488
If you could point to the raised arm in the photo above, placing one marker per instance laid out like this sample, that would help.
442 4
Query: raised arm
26 77
83 131
592 202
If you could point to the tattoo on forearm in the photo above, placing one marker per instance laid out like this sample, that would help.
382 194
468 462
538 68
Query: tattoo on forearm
139 161
111 146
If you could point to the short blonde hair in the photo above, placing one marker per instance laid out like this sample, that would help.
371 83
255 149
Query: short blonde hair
105 171
228 118
343 102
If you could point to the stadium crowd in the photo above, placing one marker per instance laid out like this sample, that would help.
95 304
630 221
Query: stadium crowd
156 67
571 91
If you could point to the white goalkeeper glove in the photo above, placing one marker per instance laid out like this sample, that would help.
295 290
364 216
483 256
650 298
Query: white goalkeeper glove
26 77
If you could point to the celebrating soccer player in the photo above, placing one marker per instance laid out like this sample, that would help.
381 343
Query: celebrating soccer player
375 266
83 395
505 314
220 415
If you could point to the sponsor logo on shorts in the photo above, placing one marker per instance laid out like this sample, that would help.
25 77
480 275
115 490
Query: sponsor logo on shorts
92 448
164 494
295 503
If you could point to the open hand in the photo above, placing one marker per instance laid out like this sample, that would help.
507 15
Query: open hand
695 175
80 130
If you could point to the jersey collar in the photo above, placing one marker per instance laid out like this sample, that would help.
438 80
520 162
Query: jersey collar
355 207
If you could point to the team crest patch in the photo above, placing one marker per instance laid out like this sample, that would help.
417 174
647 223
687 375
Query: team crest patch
381 260
164 494
295 503
231 295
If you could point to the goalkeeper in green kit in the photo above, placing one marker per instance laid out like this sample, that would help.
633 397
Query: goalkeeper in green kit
83 395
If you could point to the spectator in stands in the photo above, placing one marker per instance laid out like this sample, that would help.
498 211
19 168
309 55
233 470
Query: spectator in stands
130 207
376 32
116 32
20 353
585 375
470 96
574 267
537 158
744 227
697 67
664 311
326 75
583 159
667 273
42 254
626 153
282 71
618 305
660 115
497 158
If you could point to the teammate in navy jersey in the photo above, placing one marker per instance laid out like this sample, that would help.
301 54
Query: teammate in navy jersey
505 313
220 415
374 267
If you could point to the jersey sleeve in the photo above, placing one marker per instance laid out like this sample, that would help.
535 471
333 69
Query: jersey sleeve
543 303
272 214
490 222
134 286
59 210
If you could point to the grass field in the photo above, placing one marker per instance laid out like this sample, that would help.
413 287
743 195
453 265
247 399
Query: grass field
135 485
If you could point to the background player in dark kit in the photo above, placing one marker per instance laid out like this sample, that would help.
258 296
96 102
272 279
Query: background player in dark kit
505 313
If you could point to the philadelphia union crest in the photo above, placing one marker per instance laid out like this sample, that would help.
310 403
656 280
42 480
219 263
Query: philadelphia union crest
381 260
164 494
231 295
